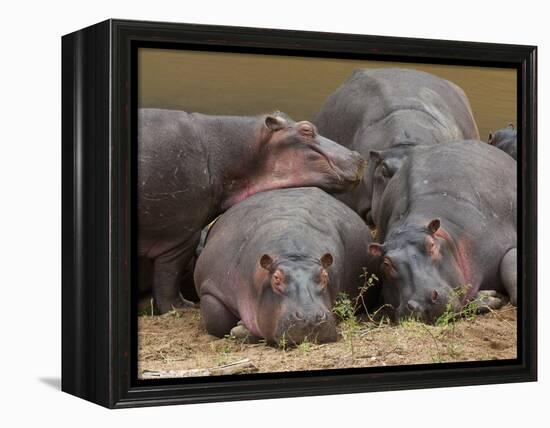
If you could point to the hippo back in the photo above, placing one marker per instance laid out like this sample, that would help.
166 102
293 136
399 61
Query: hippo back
379 109
298 221
386 104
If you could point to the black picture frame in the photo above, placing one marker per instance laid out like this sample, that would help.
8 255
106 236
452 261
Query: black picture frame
98 166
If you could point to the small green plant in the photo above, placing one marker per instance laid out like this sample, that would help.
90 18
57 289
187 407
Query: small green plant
343 308
349 329
468 311
283 342
446 320
305 347
436 356
408 322
446 317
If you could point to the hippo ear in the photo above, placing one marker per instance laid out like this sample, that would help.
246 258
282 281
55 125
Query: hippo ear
327 260
266 262
433 226
490 139
511 126
377 250
274 123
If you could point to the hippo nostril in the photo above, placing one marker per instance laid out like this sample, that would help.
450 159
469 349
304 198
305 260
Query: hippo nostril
321 317
299 316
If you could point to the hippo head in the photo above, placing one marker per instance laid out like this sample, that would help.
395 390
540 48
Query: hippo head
420 273
294 301
293 154
507 134
383 164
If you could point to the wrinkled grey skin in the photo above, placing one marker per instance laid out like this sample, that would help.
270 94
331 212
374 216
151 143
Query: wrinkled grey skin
385 164
506 140
293 234
447 220
376 109
192 167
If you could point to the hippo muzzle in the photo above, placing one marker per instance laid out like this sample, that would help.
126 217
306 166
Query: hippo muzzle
318 326
352 173
347 167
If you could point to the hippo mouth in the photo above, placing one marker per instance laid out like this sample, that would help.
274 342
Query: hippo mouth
350 180
346 182
426 315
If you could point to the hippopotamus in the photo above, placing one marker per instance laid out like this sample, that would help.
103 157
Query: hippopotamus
376 109
447 223
276 262
192 167
506 140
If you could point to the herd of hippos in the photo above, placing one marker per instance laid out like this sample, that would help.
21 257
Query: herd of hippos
390 177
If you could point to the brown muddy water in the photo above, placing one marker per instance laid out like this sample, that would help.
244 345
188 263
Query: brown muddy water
251 84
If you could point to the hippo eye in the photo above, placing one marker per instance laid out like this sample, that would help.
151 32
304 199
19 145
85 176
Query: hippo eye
435 296
385 170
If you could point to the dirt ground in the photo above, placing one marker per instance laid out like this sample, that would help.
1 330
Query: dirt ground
176 341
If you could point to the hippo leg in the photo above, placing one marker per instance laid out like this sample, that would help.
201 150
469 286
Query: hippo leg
169 269
488 300
509 274
216 318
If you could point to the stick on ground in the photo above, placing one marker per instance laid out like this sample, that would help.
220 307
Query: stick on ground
238 367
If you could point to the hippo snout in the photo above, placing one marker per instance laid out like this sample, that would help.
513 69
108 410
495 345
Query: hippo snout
352 170
317 326
427 313
350 161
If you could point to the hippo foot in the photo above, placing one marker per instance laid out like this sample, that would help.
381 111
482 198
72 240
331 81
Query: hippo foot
488 300
240 332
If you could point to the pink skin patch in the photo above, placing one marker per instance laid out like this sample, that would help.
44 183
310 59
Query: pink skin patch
464 256
247 312
252 189
461 260
247 304
291 168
